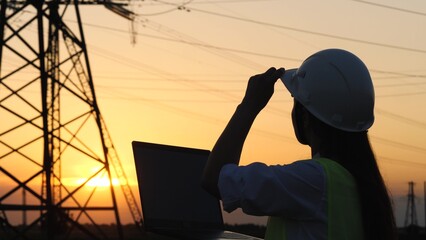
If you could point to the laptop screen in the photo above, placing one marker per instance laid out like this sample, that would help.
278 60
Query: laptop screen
169 179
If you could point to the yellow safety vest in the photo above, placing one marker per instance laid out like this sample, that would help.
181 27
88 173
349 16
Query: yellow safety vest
344 220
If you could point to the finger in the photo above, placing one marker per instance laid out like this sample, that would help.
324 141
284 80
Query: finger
278 73
273 74
270 71
265 74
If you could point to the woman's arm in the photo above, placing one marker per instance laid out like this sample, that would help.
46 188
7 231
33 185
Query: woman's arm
230 143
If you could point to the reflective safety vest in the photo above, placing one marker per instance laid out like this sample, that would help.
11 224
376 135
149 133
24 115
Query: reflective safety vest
344 217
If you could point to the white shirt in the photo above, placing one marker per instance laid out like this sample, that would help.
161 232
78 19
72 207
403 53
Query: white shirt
296 192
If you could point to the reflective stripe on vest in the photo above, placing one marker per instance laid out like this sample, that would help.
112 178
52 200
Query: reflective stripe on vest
343 207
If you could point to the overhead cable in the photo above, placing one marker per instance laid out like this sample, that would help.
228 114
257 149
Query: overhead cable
390 7
402 94
400 118
200 116
198 44
402 162
398 144
266 133
308 31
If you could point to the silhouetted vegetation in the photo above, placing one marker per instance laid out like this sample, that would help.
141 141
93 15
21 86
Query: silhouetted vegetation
131 232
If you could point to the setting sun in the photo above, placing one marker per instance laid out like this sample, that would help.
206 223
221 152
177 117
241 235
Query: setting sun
98 182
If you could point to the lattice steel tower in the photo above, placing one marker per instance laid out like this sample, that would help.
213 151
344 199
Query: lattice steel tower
46 142
411 212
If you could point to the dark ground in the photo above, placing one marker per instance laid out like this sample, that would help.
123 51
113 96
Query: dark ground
131 232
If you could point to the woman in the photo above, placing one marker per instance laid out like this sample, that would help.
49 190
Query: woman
339 193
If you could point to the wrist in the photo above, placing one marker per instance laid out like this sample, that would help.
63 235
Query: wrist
247 110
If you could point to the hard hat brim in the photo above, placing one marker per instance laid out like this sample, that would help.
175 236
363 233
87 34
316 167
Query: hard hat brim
287 77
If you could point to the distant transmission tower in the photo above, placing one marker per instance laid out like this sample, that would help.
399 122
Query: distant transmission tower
410 214
51 128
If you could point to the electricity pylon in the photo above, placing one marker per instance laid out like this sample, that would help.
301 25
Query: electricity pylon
53 140
411 213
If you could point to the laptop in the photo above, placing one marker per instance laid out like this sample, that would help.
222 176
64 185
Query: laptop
173 201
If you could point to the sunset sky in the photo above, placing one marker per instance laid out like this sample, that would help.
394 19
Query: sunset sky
185 75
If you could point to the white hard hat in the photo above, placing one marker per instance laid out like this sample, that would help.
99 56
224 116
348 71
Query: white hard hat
335 86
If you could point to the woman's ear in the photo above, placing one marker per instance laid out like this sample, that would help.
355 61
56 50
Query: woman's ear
300 124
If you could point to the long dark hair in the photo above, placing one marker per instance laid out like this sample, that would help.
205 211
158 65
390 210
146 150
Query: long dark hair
353 151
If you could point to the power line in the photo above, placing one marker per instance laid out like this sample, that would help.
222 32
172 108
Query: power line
385 140
175 78
158 72
230 57
373 70
167 89
398 144
205 2
262 54
399 74
408 75
400 85
143 79
200 116
382 140
266 133
377 139
402 162
223 54
223 48
401 118
402 94
233 98
305 31
194 43
390 7
180 7
198 44
229 1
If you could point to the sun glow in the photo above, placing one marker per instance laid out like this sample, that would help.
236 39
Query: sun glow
98 182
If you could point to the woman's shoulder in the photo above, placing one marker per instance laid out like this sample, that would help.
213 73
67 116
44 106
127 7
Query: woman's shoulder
303 166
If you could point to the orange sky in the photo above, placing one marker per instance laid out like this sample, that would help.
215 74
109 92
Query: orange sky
182 80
